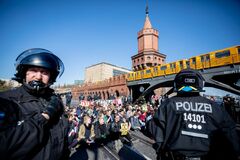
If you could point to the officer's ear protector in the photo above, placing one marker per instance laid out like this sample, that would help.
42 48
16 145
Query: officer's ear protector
189 80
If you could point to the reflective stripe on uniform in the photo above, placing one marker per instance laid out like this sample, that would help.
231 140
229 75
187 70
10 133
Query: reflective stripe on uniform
194 134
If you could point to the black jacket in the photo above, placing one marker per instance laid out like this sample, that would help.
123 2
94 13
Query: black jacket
34 137
188 124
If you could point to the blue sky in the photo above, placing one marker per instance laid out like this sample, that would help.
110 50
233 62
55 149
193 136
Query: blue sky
86 32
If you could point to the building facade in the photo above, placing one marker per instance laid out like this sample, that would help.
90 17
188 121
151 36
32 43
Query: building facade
103 71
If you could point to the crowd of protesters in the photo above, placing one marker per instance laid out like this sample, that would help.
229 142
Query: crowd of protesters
108 122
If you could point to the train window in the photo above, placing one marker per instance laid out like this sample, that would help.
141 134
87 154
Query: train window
163 68
222 54
181 64
142 72
238 50
194 61
155 69
207 58
172 65
187 63
202 58
148 71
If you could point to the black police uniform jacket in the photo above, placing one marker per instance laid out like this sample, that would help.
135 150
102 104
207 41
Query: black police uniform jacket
34 137
187 124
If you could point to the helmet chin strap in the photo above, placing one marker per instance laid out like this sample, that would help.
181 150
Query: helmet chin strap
37 87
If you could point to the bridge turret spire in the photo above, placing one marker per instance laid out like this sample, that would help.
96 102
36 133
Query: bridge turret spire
147 8
147 23
148 54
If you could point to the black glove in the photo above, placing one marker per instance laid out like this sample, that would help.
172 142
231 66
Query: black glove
157 146
9 114
54 107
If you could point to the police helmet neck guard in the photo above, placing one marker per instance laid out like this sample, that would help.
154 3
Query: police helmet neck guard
38 57
188 81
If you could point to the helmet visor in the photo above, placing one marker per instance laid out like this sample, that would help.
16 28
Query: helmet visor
37 62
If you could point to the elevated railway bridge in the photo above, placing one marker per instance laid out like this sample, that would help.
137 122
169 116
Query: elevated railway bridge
226 78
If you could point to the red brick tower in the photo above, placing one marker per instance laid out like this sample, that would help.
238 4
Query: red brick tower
148 54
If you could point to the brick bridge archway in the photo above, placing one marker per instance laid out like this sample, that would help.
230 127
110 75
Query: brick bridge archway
114 86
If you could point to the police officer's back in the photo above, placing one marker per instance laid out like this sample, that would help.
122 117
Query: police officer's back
186 124
39 129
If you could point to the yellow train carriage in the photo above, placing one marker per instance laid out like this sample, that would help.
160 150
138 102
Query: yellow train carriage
139 74
147 73
216 58
165 69
169 68
180 65
237 59
156 71
226 56
131 76
173 67
201 61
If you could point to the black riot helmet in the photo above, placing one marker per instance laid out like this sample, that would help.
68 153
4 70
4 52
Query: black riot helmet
188 80
38 57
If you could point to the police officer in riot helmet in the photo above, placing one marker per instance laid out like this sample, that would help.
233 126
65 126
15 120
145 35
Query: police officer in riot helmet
38 129
186 123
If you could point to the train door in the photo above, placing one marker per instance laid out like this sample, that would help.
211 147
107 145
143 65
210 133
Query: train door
205 61
168 69
180 65
238 50
192 63
172 68
235 53
138 75
202 60
188 63
131 76
155 71
142 74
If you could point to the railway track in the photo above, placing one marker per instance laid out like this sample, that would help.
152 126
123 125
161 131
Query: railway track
144 140
100 153
143 145
109 154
